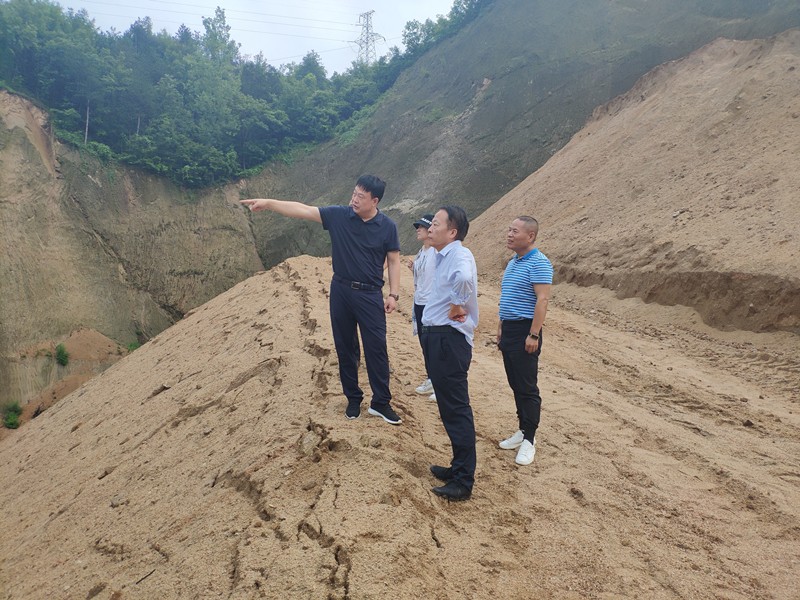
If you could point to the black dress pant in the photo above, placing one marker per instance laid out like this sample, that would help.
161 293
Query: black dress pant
418 310
360 310
448 355
522 372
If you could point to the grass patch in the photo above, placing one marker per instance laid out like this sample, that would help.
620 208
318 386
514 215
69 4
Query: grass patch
10 413
62 356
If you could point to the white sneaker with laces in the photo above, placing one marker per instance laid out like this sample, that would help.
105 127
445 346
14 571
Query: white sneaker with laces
424 388
432 397
514 442
526 452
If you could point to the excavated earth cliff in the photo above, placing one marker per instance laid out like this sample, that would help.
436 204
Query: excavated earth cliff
88 246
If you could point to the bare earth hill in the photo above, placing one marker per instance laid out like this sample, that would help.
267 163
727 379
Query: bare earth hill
215 461
681 191
480 112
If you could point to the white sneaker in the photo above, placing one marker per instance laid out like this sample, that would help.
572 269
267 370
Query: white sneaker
526 452
514 442
432 397
424 388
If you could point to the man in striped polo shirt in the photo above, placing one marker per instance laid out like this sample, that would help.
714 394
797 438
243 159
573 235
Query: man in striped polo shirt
524 296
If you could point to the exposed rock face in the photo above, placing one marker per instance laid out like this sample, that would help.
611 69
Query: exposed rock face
109 249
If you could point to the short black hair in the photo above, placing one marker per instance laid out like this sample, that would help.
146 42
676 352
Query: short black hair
457 219
531 223
372 184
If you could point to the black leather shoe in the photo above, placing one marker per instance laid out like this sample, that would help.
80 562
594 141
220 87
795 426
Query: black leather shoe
453 491
442 473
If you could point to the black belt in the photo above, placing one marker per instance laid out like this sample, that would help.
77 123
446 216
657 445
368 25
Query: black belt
357 285
439 329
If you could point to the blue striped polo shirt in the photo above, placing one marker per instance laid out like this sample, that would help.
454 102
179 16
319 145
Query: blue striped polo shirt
517 298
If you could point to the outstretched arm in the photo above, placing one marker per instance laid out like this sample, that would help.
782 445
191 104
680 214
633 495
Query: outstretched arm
287 208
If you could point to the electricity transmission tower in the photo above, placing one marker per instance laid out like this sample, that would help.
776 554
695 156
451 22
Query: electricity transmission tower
366 42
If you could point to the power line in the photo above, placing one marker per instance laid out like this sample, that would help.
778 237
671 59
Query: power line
245 12
251 30
268 25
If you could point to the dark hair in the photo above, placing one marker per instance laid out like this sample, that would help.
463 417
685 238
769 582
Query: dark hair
372 184
531 223
457 219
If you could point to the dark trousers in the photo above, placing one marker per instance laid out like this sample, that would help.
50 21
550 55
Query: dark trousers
362 309
418 309
522 372
448 355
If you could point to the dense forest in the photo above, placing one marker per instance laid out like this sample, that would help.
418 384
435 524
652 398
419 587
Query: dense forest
189 106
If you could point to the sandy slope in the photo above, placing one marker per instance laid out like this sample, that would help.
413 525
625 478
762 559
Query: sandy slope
681 191
215 461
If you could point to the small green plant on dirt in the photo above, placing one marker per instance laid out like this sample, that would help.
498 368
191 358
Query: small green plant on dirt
62 356
133 346
11 413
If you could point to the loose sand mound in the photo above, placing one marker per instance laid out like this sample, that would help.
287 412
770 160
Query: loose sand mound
215 461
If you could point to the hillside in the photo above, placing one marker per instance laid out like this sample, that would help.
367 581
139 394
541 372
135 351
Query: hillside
482 111
215 461
681 191
89 246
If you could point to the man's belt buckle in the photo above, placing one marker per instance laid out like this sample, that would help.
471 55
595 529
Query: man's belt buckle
356 285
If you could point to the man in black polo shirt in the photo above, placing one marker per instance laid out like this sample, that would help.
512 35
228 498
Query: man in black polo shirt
362 239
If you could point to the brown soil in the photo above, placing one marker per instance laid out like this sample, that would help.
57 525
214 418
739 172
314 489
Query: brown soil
216 462
89 352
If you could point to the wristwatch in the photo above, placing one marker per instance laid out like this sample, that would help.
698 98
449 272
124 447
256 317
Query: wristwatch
396 297
534 335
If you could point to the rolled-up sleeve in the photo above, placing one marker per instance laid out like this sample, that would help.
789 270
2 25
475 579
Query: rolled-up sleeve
462 282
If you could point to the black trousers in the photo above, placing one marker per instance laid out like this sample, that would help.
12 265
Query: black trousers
448 355
418 308
351 308
522 372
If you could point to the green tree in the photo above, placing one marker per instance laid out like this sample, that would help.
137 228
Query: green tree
217 43
311 65
189 106
261 80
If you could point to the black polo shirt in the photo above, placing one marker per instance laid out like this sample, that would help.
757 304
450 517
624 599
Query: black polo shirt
359 247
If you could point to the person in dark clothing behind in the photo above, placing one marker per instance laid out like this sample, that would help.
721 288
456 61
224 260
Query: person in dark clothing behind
448 325
362 240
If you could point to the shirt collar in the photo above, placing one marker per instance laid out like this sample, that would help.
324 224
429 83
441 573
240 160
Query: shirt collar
518 258
447 249
375 219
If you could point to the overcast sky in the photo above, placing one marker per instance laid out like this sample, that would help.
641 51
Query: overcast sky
283 31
